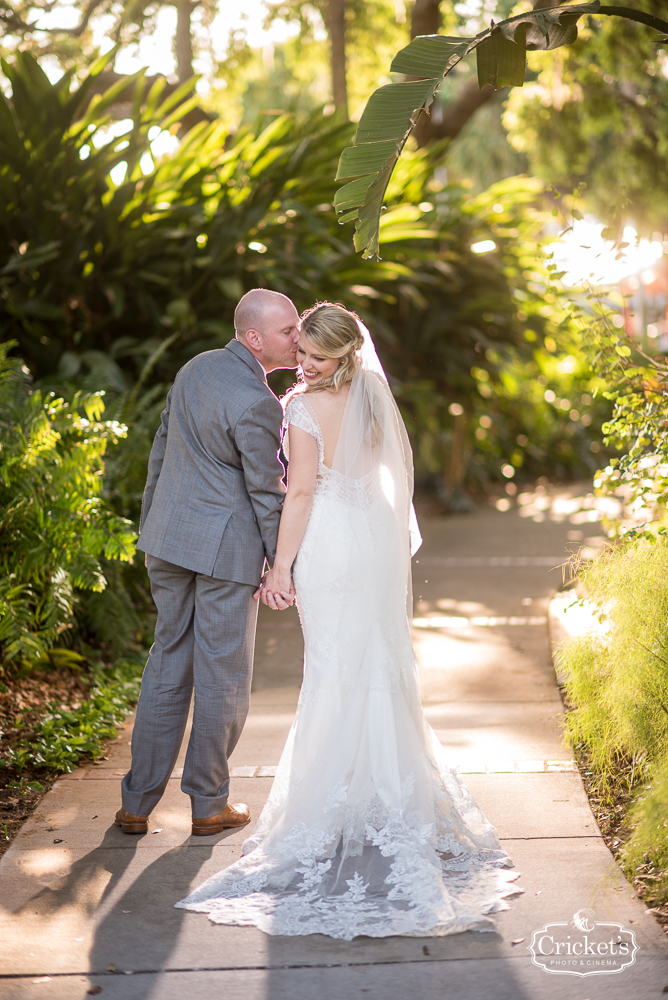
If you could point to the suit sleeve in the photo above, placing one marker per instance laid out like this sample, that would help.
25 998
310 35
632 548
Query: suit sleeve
156 458
258 440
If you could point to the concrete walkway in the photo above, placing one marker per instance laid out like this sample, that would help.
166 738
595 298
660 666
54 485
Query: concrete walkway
83 906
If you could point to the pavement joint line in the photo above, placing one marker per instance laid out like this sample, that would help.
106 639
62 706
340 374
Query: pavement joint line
481 621
190 842
552 561
275 968
558 836
269 770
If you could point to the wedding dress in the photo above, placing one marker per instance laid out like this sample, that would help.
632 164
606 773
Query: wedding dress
367 829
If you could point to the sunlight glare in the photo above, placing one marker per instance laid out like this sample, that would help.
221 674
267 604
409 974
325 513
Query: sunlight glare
387 484
164 143
583 251
484 246
113 131
117 174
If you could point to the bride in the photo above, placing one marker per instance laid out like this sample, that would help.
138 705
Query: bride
367 829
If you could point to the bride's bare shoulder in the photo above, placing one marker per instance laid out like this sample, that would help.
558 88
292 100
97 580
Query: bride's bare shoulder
328 406
328 402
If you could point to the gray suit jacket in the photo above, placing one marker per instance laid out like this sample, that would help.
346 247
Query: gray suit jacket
214 491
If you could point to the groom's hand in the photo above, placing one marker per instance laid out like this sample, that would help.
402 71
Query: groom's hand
258 592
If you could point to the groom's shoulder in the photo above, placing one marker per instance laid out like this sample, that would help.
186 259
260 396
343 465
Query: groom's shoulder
221 380
206 363
219 368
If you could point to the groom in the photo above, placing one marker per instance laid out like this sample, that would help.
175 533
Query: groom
209 520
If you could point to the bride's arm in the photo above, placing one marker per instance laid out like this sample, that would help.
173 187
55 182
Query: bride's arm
302 473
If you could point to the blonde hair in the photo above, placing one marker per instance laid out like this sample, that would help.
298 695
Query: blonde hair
336 333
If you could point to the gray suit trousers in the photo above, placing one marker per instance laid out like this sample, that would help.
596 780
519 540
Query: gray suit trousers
204 642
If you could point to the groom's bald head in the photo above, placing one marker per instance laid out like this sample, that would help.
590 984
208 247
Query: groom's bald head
253 310
266 322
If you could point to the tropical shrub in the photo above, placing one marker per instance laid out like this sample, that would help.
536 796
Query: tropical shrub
646 852
499 367
619 682
57 534
87 261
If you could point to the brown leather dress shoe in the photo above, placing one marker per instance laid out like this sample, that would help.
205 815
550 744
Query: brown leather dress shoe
131 824
231 816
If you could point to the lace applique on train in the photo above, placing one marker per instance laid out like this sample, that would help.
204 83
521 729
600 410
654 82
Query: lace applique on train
369 870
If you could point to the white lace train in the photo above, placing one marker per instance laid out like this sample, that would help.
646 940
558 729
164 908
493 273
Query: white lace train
367 830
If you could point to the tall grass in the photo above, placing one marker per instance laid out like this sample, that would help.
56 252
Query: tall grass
618 684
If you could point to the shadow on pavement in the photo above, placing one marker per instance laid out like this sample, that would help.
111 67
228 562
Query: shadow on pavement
141 929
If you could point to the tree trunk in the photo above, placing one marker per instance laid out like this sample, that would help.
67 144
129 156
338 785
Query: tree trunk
455 473
448 122
456 500
183 43
337 39
426 18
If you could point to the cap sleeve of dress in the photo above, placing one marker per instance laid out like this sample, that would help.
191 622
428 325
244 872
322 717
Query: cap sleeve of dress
299 415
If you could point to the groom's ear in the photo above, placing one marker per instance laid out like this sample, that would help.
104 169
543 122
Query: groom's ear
254 340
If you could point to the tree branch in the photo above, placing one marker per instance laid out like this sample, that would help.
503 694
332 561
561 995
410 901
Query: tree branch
74 32
635 15
449 122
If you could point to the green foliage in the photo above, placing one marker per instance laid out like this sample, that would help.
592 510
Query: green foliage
597 113
484 338
79 252
539 413
637 385
646 851
55 529
149 274
619 682
66 39
484 130
393 111
296 75
64 737
619 686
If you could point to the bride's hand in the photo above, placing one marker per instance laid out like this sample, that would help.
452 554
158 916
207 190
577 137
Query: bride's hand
278 591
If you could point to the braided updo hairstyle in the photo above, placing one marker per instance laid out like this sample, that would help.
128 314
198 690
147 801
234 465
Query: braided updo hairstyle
335 332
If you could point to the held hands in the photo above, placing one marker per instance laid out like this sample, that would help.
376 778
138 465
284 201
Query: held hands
276 590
